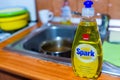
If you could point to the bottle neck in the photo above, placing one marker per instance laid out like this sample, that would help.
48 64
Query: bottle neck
88 19
88 12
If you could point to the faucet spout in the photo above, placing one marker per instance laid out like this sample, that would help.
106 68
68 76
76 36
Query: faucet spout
103 28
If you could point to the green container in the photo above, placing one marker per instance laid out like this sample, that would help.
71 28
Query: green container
13 11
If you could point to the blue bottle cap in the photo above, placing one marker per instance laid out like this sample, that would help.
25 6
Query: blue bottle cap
88 10
88 3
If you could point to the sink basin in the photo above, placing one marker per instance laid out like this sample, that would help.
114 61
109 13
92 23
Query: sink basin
31 45
47 34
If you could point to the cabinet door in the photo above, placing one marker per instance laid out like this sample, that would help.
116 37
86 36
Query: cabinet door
114 9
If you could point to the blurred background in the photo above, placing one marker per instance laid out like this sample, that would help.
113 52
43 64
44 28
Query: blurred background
110 7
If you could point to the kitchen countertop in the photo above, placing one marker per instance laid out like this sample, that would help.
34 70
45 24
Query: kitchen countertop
37 69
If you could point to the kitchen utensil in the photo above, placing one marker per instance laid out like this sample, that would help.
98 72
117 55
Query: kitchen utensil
57 47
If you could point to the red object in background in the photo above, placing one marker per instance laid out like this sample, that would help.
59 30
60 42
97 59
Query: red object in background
85 36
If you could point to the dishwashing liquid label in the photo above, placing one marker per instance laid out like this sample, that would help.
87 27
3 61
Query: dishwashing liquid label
85 60
86 53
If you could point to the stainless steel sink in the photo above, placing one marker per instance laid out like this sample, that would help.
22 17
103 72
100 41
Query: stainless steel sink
47 34
30 45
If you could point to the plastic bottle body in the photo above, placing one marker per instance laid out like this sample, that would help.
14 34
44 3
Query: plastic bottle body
66 13
87 50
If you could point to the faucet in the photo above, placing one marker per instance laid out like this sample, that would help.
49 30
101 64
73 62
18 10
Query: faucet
103 28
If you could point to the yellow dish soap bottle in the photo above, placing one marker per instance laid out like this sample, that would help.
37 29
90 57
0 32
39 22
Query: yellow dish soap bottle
87 56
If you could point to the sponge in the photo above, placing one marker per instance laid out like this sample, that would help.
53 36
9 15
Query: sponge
111 53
